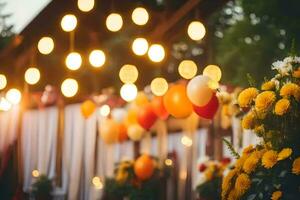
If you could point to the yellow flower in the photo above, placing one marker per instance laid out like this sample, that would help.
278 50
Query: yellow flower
242 184
251 163
227 181
233 195
208 174
276 195
290 89
296 166
284 153
264 101
259 129
247 96
269 85
248 149
269 159
248 121
296 73
282 106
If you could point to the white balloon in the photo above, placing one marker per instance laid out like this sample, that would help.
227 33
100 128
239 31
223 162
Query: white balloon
135 132
118 114
198 90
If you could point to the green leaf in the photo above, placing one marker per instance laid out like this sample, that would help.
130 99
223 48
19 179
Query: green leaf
232 150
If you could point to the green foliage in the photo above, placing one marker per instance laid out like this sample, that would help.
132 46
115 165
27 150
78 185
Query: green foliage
6 32
210 190
231 149
42 187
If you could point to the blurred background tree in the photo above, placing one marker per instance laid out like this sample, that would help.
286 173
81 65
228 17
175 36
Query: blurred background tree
247 36
6 32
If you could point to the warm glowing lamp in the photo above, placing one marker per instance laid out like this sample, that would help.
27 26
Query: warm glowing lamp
85 5
105 110
45 45
159 86
187 69
213 72
13 96
186 141
128 92
4 104
140 46
69 87
73 61
114 22
35 173
128 74
140 16
3 81
97 182
196 30
32 75
97 58
156 53
68 22
168 162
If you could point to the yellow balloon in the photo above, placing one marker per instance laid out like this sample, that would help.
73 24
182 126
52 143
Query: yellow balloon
141 99
198 90
135 132
213 72
109 131
131 117
87 108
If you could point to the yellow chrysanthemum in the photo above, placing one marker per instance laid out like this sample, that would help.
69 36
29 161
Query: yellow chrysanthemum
269 159
209 174
296 166
227 182
290 89
264 101
296 73
247 96
284 153
242 184
259 129
251 163
282 106
248 121
248 149
276 195
269 85
233 195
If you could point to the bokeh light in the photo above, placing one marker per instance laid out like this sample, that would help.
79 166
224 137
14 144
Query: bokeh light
128 73
45 45
13 96
196 30
114 22
35 173
73 61
156 52
69 87
97 182
140 16
213 72
5 105
104 110
186 141
97 58
85 5
68 22
140 46
187 69
3 81
159 86
32 75
128 92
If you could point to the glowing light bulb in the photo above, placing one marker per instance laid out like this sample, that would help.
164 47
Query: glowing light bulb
140 16
68 22
97 58
128 74
5 105
13 96
186 141
159 86
69 87
114 22
187 69
140 46
213 72
35 173
128 92
97 182
45 45
3 81
105 110
73 61
32 75
168 162
85 5
196 30
156 53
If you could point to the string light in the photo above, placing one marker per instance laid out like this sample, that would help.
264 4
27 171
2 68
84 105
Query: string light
196 30
105 110
4 104
35 173
69 87
97 182
213 72
73 61
68 22
140 46
3 81
128 92
159 86
13 96
85 5
114 22
32 75
45 45
140 16
168 162
128 73
156 53
186 141
187 69
97 58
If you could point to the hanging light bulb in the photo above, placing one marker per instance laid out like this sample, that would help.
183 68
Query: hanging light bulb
32 75
85 5
45 45
128 92
68 22
73 61
140 46
13 96
196 30
69 87
105 110
114 22
140 16
156 52
187 69
3 81
5 105
128 74
97 58
159 86
213 71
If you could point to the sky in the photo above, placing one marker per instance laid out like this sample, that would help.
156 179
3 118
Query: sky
23 11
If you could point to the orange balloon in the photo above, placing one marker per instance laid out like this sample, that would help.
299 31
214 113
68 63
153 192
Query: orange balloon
87 108
131 117
109 131
144 167
159 107
176 101
141 99
122 133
